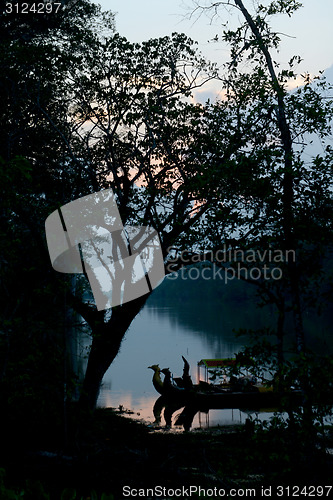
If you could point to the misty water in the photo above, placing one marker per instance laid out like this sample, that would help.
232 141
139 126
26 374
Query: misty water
196 319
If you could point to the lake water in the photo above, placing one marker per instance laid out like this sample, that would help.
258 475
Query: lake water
189 320
157 336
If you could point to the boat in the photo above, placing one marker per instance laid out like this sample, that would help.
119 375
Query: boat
250 400
242 392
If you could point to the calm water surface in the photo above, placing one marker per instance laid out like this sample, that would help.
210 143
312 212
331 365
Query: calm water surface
156 336
194 326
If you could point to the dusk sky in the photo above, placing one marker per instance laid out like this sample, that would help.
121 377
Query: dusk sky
311 26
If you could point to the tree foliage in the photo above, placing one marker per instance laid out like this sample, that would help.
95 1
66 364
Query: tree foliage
285 195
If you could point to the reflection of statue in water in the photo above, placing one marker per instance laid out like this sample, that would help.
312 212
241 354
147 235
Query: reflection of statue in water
158 407
170 408
185 418
187 415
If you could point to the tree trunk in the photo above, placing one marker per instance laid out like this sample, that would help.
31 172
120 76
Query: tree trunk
288 177
297 308
107 338
280 337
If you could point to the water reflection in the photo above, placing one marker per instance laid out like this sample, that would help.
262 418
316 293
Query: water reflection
157 336
173 414
197 322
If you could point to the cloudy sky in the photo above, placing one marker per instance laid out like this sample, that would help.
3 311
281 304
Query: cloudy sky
310 27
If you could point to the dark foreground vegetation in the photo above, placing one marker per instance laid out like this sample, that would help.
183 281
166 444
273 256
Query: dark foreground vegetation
107 451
